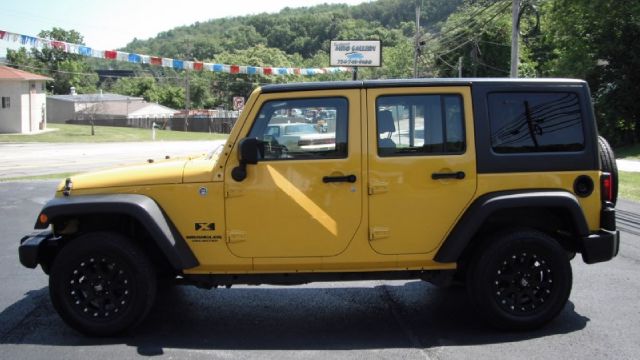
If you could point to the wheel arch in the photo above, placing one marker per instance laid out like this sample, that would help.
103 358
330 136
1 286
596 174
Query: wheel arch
500 208
144 211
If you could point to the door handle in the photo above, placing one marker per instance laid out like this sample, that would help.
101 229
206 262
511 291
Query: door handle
333 179
459 175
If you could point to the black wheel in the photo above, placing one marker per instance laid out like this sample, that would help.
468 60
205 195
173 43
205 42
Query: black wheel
608 164
102 284
519 280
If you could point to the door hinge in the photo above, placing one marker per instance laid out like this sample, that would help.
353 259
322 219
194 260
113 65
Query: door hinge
236 236
379 232
378 187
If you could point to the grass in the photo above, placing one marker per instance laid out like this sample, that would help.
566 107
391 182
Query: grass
58 176
67 133
628 152
629 185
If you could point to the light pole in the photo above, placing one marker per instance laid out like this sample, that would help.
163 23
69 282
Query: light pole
515 32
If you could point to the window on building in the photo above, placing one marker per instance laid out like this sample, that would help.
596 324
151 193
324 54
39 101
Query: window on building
420 125
535 122
6 102
303 128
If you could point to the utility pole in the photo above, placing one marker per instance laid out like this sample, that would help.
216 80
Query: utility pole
515 32
460 67
187 89
187 100
417 41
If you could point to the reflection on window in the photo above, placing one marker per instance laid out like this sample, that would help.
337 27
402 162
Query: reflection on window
420 125
303 128
535 122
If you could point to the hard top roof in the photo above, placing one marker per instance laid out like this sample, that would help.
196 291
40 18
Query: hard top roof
328 85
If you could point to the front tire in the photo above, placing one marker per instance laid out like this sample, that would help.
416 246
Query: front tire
519 280
101 284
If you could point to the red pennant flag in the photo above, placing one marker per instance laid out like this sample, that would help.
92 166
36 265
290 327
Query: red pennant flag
110 54
234 69
267 71
296 71
155 60
58 44
197 66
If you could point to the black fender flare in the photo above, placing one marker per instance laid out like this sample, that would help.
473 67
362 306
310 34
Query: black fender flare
484 206
140 207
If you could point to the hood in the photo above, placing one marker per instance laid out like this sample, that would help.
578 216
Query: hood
166 172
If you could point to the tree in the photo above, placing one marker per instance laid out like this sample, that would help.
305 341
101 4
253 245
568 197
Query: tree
596 40
479 33
68 70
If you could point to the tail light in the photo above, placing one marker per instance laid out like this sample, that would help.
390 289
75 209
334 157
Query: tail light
606 187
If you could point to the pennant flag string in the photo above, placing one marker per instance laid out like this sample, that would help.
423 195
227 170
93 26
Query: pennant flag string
36 42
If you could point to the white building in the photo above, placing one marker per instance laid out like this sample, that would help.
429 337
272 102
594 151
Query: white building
68 108
23 108
105 109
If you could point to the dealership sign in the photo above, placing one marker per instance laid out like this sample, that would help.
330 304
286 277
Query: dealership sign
356 53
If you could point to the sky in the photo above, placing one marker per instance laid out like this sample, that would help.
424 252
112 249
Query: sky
111 24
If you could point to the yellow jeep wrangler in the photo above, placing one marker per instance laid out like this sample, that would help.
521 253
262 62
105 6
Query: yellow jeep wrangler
494 183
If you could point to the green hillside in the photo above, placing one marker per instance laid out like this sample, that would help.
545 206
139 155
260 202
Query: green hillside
302 31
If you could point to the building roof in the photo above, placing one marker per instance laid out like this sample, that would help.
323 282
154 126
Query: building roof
105 97
9 73
151 109
131 110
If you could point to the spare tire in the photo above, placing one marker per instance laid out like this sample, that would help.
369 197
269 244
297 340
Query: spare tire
608 164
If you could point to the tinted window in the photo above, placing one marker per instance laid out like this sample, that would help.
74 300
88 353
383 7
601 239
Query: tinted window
535 122
419 124
303 128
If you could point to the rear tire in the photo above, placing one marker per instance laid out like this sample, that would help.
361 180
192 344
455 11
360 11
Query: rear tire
519 280
101 284
608 164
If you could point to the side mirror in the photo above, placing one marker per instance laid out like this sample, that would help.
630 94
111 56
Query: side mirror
249 150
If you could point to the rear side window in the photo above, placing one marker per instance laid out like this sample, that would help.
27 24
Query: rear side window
535 122
420 125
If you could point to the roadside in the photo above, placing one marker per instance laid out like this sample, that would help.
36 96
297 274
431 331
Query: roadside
55 161
631 152
629 177
628 165
65 133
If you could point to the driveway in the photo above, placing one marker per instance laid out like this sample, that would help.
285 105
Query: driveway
628 165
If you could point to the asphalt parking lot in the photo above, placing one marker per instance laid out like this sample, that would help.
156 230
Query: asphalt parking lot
355 320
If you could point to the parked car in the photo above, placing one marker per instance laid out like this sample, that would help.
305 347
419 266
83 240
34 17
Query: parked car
300 138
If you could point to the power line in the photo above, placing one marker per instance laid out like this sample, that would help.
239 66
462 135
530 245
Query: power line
482 63
471 31
471 16
471 26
